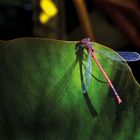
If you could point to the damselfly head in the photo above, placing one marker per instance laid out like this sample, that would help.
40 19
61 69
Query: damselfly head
85 40
88 44
83 44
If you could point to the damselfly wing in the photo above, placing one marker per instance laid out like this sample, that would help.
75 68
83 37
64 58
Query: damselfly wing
88 46
111 58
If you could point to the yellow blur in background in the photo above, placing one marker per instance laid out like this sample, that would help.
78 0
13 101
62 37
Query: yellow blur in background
49 10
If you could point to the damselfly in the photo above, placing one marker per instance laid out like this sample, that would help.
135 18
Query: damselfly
57 93
86 44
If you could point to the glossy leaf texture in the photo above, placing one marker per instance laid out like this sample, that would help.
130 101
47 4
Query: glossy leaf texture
41 96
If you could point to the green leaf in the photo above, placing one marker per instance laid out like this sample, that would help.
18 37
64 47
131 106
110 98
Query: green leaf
41 96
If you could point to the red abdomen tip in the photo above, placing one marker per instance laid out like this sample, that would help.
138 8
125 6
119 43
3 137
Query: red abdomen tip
119 100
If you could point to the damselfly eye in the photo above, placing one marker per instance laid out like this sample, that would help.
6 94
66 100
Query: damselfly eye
85 40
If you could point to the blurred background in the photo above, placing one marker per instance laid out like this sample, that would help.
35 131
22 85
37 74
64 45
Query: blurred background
114 23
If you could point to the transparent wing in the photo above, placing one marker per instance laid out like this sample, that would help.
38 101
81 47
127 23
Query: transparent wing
88 71
127 56
111 62
130 56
